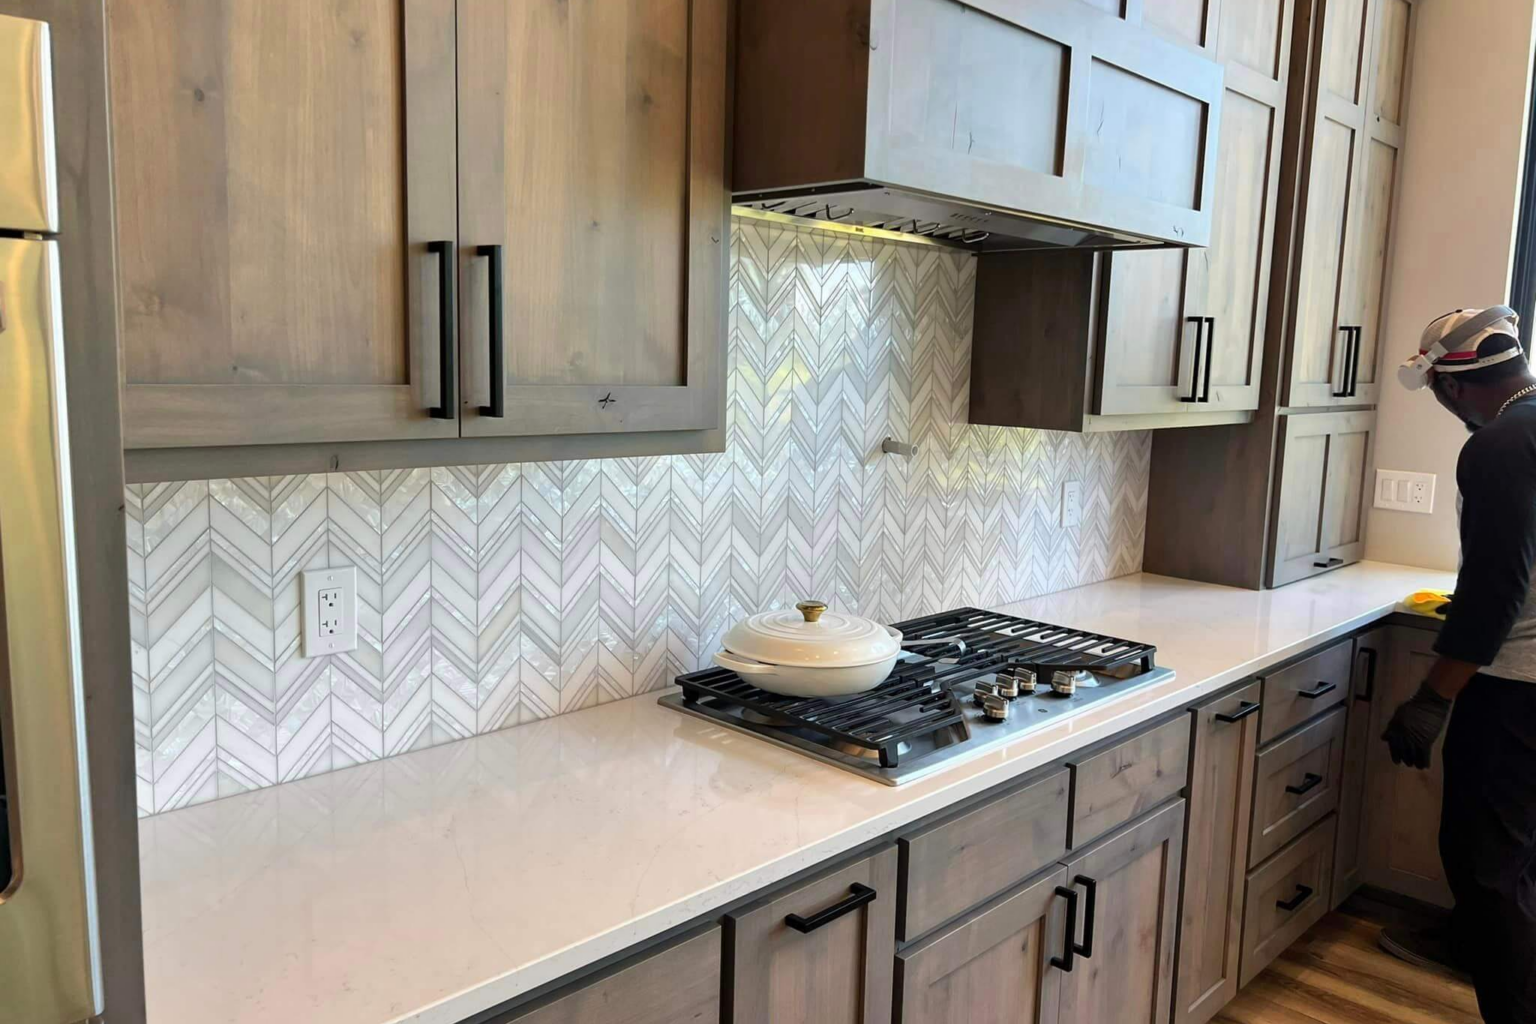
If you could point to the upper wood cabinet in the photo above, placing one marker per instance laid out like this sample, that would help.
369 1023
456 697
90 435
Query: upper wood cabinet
282 169
1350 153
1321 501
311 198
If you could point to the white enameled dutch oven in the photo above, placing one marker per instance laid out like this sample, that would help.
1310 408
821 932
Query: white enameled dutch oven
810 651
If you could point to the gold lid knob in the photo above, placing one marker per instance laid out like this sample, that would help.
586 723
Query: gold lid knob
811 609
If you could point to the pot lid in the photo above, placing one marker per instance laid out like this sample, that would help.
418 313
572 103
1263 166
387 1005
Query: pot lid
810 636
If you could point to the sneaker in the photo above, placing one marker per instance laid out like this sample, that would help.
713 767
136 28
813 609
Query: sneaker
1423 947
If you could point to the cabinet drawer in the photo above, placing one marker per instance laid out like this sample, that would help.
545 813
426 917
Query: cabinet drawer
1296 783
1286 897
1304 690
950 867
1126 780
679 983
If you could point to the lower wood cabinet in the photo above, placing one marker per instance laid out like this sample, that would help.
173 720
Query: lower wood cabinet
1402 805
1296 783
1004 964
1130 882
1286 896
1215 854
820 953
1348 855
680 984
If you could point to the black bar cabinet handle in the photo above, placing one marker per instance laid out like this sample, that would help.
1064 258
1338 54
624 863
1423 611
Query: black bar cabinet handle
1194 367
1244 709
1313 780
1068 958
1332 561
1210 349
1317 691
1349 344
1085 950
858 896
1302 892
447 345
1354 364
1370 675
498 374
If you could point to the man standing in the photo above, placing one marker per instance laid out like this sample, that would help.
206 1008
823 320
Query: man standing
1473 362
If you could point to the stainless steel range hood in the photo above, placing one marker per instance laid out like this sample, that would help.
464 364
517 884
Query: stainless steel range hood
992 125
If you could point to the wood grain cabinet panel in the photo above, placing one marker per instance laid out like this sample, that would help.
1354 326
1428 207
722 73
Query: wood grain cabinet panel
1002 965
1286 896
1305 689
953 865
280 171
1321 500
1132 877
839 971
1402 804
1131 777
1220 806
678 984
1371 650
1296 782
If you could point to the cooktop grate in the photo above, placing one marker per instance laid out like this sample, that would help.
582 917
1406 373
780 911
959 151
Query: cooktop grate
918 698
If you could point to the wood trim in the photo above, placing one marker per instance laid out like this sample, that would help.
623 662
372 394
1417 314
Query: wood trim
87 257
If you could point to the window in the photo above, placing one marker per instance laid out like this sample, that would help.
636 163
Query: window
1522 286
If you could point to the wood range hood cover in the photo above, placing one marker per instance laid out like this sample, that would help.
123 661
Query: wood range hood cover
993 125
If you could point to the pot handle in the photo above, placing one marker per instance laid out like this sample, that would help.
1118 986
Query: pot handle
742 666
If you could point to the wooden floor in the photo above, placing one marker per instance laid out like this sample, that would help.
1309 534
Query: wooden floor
1336 974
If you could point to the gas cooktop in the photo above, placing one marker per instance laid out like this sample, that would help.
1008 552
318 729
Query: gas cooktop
982 679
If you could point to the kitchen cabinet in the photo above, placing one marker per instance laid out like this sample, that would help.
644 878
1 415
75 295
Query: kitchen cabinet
500 229
1296 784
1130 881
1170 337
820 953
1402 804
1285 896
1348 857
1226 732
1321 500
679 984
1350 155
1004 963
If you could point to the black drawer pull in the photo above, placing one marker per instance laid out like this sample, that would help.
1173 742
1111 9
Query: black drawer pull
498 373
1244 709
1328 564
1068 959
1302 893
1092 885
1194 366
1312 781
1210 350
858 896
1317 691
1369 693
1349 358
447 347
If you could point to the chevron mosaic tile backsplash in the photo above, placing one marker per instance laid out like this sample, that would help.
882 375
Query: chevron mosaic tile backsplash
493 595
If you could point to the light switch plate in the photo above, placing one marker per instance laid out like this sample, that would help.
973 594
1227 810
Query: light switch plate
1401 491
330 610
1071 504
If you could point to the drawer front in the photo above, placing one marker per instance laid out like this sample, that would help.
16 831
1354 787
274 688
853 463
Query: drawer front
1305 690
1287 896
680 983
1128 779
948 868
1297 782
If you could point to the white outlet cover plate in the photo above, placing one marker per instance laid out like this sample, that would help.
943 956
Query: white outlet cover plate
1072 504
1401 491
314 582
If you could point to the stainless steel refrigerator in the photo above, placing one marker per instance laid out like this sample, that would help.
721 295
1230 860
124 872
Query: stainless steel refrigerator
50 946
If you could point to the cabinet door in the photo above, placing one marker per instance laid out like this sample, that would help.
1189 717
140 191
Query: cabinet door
1402 805
592 153
1183 330
1132 882
281 171
1370 650
1216 854
1000 966
1334 155
1320 507
677 985
821 953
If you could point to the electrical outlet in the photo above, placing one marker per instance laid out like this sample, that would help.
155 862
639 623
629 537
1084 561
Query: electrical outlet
1071 504
330 610
1405 492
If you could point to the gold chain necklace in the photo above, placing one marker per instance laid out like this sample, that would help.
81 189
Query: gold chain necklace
1512 399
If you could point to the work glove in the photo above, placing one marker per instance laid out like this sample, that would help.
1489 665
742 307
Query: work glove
1415 726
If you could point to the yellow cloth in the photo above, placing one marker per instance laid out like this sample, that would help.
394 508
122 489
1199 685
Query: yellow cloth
1427 602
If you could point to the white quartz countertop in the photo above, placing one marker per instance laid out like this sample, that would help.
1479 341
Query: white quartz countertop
431 886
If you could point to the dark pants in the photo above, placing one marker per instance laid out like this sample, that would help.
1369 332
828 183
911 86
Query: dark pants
1488 842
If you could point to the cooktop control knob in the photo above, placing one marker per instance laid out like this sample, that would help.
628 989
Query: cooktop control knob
1025 677
1064 682
1007 686
995 708
982 692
